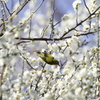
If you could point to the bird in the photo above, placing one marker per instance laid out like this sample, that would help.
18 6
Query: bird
48 58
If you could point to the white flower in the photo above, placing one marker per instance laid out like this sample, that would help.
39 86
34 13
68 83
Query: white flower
61 84
76 3
32 3
93 5
93 25
69 96
3 88
94 0
7 33
65 17
61 92
43 50
1 62
60 55
53 46
95 74
32 93
86 27
78 90
48 96
27 74
73 42
60 98
38 73
82 73
56 72
17 86
98 83
16 96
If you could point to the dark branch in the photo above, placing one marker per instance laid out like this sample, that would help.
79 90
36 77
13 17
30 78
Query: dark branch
80 22
24 40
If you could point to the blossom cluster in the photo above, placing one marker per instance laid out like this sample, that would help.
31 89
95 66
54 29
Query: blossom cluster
25 76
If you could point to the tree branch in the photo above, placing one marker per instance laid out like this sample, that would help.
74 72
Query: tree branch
24 40
80 22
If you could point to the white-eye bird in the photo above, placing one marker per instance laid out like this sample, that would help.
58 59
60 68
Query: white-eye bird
48 58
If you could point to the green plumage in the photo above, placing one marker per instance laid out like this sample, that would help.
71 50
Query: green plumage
48 58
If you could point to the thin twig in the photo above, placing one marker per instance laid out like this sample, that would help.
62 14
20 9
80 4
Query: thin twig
25 59
7 8
80 23
30 27
86 6
57 23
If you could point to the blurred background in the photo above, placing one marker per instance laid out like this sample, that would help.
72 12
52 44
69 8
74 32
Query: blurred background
62 6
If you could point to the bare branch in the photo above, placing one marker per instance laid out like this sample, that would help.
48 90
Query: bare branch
50 39
18 10
86 6
7 8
